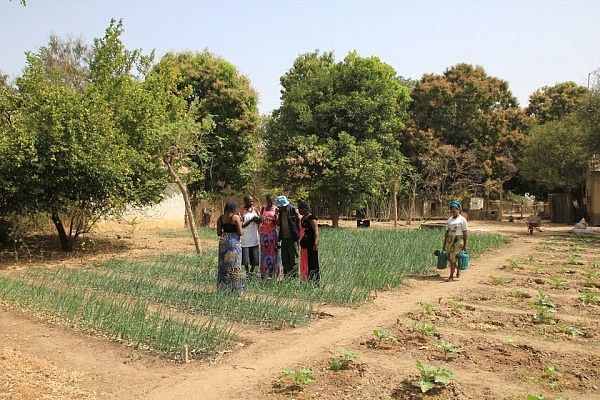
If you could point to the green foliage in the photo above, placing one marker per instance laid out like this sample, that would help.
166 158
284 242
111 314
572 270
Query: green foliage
148 282
119 319
552 103
551 372
466 131
541 397
575 258
571 331
589 116
456 305
554 154
427 308
84 145
380 335
424 328
521 294
217 95
448 348
343 361
544 300
513 262
558 282
298 377
432 376
498 280
544 315
589 298
338 128
510 342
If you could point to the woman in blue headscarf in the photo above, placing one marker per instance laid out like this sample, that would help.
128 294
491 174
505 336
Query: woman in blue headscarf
455 238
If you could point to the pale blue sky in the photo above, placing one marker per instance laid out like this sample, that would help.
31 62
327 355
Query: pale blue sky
529 43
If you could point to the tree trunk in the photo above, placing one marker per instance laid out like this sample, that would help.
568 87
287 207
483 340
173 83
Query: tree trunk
411 208
501 190
334 213
194 207
188 207
66 242
395 204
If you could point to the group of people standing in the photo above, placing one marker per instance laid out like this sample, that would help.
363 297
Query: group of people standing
267 240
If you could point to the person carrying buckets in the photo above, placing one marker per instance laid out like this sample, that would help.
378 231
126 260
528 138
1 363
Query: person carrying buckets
455 239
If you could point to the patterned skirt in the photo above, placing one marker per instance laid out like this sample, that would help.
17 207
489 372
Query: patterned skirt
453 246
230 274
270 266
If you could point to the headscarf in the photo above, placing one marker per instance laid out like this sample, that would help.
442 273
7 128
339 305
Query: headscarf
281 201
455 204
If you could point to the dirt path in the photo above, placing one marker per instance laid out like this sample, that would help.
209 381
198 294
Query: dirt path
101 369
273 352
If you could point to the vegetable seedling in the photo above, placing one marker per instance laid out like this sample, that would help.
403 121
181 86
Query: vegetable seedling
424 329
298 377
432 376
427 308
342 362
497 280
380 335
558 283
456 305
448 348
544 300
589 298
551 372
544 315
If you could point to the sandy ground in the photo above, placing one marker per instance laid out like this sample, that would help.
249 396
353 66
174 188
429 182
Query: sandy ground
43 359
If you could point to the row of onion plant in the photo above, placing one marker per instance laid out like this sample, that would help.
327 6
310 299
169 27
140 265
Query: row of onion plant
122 319
187 296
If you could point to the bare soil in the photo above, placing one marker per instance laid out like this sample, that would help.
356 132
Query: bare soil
489 313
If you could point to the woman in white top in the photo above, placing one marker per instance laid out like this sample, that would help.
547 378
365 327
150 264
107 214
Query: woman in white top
455 238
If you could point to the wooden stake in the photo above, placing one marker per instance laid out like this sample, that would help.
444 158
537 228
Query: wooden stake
186 356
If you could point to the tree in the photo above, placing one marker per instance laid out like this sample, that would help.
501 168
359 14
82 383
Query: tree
471 111
223 95
337 127
85 144
555 154
589 116
551 103
181 140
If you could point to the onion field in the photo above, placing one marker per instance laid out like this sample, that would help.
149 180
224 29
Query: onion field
166 302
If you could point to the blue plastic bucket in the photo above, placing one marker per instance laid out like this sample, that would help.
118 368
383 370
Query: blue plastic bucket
442 259
463 260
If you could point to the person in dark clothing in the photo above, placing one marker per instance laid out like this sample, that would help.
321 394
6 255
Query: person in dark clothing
229 230
310 242
289 234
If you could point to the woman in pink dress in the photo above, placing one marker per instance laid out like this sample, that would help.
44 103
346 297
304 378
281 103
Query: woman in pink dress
269 256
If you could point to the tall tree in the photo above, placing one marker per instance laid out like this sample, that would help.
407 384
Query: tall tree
85 143
337 127
589 116
551 103
223 95
473 112
182 145
555 154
